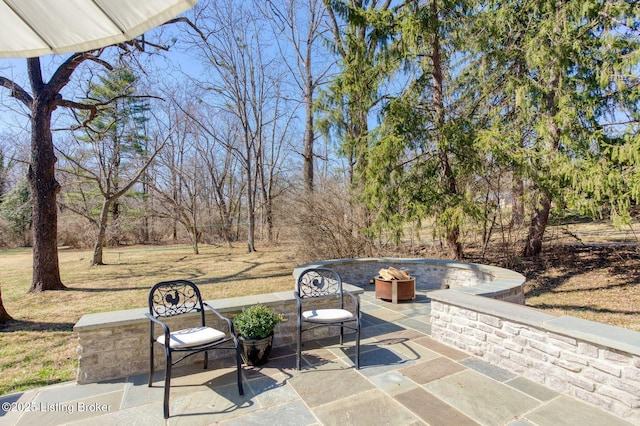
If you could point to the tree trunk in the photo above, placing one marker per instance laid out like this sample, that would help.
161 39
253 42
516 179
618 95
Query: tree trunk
251 217
44 188
308 145
3 173
517 206
539 220
4 315
145 228
193 229
146 232
194 236
540 215
452 229
267 210
251 196
102 232
225 217
115 205
517 181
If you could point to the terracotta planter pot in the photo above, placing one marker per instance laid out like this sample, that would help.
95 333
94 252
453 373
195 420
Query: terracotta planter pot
255 352
404 289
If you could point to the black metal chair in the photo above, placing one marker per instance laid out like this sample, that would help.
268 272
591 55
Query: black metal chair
325 283
178 297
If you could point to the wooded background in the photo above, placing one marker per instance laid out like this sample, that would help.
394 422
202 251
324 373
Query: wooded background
342 126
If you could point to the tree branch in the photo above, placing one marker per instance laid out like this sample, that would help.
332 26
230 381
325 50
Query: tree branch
136 178
62 75
189 23
16 91
335 29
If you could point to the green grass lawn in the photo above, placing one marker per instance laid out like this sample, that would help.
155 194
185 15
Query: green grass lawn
39 347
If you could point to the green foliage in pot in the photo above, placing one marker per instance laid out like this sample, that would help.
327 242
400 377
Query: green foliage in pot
256 322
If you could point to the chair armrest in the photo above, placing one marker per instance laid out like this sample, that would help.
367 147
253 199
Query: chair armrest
355 300
222 317
164 326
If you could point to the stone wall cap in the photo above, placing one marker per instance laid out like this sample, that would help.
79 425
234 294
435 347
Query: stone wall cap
495 271
509 311
231 304
125 317
606 335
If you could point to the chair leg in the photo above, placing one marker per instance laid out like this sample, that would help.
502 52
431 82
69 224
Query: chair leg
206 360
342 334
299 347
239 371
358 346
167 385
151 369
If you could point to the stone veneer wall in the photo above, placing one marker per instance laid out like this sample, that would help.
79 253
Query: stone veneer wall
432 274
116 344
597 363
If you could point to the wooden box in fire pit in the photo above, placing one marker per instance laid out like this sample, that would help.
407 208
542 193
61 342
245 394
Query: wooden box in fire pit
395 285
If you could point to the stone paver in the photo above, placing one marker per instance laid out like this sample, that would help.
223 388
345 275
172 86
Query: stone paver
432 410
328 383
382 360
533 389
441 348
293 413
143 415
565 411
46 413
431 370
394 383
368 408
417 324
495 372
411 350
483 399
271 392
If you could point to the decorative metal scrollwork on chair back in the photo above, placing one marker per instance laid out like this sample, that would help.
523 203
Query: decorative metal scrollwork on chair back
319 282
170 298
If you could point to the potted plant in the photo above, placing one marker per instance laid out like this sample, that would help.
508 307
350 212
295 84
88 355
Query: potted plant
254 326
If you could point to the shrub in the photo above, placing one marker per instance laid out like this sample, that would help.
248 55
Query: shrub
256 322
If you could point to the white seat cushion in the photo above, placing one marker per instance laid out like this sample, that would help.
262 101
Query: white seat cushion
192 337
327 315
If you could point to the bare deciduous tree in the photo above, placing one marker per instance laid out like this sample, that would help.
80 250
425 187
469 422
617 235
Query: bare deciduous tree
44 98
244 83
220 165
300 23
110 153
177 181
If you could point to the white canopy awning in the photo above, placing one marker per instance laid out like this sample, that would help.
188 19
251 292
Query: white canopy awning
30 28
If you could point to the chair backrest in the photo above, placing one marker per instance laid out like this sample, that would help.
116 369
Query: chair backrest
177 297
319 282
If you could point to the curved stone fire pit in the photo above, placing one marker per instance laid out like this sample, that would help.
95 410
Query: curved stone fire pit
432 274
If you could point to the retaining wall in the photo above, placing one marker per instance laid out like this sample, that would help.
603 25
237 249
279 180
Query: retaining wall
594 362
116 344
431 274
